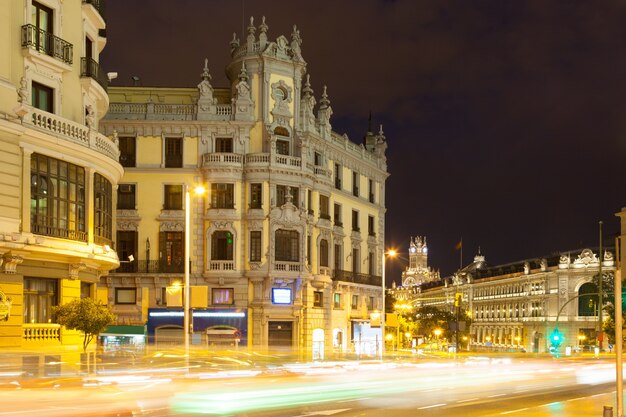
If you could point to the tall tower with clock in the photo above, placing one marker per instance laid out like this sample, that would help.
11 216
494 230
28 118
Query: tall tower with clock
418 272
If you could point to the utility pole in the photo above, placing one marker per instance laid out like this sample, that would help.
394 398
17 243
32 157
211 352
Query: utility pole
600 301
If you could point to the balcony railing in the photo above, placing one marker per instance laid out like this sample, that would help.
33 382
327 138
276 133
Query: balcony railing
357 278
217 159
41 332
150 267
90 68
97 4
47 43
221 265
288 266
41 229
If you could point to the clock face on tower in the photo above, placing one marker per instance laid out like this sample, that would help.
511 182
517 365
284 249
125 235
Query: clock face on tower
412 249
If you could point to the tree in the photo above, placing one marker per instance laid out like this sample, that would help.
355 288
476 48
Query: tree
84 315
608 301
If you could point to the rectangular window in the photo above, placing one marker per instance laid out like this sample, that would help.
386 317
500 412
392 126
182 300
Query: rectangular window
256 196
57 198
171 252
88 48
173 197
318 299
222 246
337 300
255 246
173 152
371 263
282 147
355 184
126 296
324 207
224 145
103 210
42 97
371 231
223 296
126 197
41 18
337 215
309 201
371 191
85 289
287 245
222 196
338 260
40 295
370 303
281 195
338 176
126 244
324 252
318 159
356 261
128 151
355 221
355 301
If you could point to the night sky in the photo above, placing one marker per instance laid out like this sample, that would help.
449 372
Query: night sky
505 120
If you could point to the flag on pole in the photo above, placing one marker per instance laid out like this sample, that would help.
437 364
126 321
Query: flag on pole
459 245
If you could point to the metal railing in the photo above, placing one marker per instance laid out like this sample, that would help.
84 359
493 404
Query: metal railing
150 267
42 229
357 278
90 68
47 43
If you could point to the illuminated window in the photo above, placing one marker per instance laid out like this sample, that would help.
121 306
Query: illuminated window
223 296
318 299
40 295
337 300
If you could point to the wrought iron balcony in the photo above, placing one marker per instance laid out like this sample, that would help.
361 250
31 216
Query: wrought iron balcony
90 68
151 267
43 229
357 278
97 4
47 43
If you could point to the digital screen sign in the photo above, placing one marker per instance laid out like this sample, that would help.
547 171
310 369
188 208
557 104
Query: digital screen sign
281 295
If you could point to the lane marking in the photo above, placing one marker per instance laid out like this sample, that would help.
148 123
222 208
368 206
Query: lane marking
514 411
469 399
495 395
431 406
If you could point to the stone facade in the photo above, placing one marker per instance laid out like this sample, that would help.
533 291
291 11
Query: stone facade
289 204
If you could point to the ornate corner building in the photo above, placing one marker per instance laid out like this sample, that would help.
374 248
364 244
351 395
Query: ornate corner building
58 172
518 305
286 242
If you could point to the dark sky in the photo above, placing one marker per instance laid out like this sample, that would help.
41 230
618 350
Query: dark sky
505 120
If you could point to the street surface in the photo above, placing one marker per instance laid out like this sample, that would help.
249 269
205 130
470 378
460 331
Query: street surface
265 385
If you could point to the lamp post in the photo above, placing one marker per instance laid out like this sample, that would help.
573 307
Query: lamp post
391 253
199 190
437 333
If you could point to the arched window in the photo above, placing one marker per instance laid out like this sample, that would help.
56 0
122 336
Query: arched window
588 299
222 246
323 252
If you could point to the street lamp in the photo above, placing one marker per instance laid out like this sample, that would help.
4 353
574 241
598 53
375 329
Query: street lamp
437 333
390 253
199 190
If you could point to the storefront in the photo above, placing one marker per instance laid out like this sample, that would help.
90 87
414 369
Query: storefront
123 338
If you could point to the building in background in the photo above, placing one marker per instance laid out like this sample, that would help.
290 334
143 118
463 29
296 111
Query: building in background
286 242
58 172
516 306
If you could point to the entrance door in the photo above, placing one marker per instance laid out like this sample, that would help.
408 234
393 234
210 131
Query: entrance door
280 334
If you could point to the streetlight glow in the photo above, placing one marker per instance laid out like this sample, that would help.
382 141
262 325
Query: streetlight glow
383 317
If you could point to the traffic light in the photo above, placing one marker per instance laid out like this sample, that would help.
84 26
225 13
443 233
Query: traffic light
556 338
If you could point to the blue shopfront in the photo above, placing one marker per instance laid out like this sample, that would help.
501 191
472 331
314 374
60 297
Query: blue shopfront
212 327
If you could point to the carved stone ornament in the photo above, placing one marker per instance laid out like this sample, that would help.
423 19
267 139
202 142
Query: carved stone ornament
10 262
172 226
75 268
5 306
586 258
564 261
526 268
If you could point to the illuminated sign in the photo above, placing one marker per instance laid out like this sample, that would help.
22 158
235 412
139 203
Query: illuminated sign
281 295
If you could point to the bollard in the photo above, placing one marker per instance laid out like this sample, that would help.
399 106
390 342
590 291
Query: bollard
608 411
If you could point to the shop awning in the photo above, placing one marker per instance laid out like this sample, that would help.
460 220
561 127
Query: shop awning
124 331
